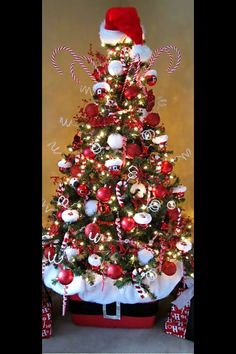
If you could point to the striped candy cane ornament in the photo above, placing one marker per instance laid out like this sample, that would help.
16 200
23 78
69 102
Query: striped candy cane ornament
169 49
178 230
118 228
120 184
140 290
64 300
80 60
123 53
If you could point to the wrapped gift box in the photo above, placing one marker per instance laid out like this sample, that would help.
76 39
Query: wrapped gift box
116 315
46 314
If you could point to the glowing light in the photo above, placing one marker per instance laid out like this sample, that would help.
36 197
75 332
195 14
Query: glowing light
88 126
56 223
81 243
101 247
139 95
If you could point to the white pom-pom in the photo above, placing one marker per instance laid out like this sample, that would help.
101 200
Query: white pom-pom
115 68
91 207
144 256
115 141
109 36
143 51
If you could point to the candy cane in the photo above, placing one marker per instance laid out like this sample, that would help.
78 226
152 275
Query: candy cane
118 228
169 50
118 192
178 221
130 67
77 58
137 286
64 301
64 242
137 68
124 150
123 59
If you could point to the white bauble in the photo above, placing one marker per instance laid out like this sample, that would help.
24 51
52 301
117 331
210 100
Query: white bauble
91 207
70 253
142 218
94 260
184 246
70 215
115 68
115 141
141 189
144 256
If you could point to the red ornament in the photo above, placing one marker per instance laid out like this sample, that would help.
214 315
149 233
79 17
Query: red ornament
166 167
92 229
99 72
104 194
131 92
54 230
49 252
133 150
127 223
91 110
65 276
173 214
160 191
82 190
75 170
114 271
88 153
151 80
76 142
150 101
169 268
164 226
152 119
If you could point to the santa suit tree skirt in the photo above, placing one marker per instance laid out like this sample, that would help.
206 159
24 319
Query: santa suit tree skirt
118 241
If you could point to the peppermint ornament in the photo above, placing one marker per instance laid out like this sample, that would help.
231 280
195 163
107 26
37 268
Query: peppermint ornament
114 166
70 216
142 218
184 246
144 256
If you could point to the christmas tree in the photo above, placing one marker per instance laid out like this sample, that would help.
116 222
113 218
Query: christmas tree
118 232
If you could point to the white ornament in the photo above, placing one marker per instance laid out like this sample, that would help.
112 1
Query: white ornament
142 113
142 52
148 134
142 218
113 162
115 141
96 148
73 181
161 139
154 205
64 164
141 189
179 189
115 68
94 260
70 215
171 205
63 201
144 256
71 252
91 207
184 246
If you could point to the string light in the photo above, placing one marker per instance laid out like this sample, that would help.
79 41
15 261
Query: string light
70 149
81 243
56 223
79 205
101 247
139 95
143 207
171 176
88 126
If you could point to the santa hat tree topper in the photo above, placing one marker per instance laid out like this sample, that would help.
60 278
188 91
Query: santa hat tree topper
122 24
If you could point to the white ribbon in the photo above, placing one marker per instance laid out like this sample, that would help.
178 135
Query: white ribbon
186 295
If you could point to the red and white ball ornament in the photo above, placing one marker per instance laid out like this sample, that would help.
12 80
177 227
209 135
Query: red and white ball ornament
70 215
161 140
65 276
127 223
114 271
151 77
92 229
115 141
142 218
184 246
91 207
152 119
89 153
179 191
115 68
104 194
94 260
49 252
91 110
101 89
114 166
82 190
64 165
166 167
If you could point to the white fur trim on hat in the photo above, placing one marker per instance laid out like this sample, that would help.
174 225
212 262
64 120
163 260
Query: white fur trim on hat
160 139
151 72
64 164
113 162
179 189
142 50
109 36
104 85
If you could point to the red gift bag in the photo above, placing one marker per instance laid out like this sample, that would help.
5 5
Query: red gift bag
46 313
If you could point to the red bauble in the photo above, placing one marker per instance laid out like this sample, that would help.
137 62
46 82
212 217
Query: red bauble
59 215
160 191
114 271
75 170
88 153
173 214
98 72
104 194
152 119
65 276
82 190
49 252
76 141
54 230
169 268
166 167
127 223
131 92
92 228
150 101
91 110
133 150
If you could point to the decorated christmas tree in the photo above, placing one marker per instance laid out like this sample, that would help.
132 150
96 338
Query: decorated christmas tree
118 233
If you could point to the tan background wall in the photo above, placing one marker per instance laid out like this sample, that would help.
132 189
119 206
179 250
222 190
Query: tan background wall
75 23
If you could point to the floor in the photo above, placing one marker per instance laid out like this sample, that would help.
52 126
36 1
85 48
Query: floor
69 338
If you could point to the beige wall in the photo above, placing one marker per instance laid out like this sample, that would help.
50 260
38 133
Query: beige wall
75 23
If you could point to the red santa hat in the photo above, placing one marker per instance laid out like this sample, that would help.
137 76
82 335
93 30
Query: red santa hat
122 23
